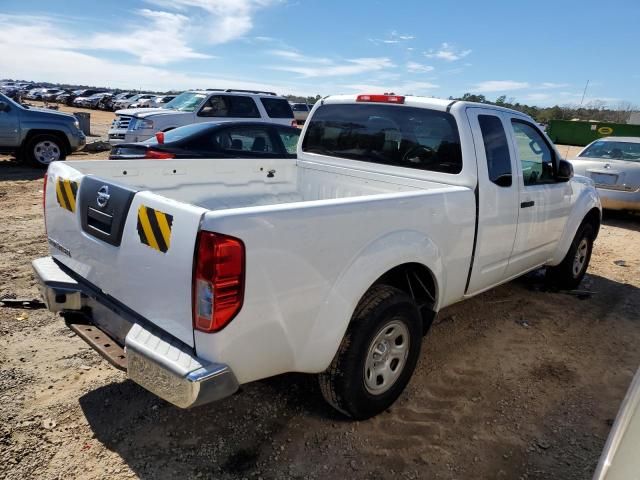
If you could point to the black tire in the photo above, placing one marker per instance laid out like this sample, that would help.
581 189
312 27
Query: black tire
31 149
568 275
343 384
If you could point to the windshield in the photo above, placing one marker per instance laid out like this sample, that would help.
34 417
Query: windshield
186 102
612 150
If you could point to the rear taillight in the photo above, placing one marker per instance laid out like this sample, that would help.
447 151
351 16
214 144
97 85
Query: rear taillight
385 98
158 155
218 281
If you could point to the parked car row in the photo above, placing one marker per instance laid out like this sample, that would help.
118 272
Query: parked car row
94 98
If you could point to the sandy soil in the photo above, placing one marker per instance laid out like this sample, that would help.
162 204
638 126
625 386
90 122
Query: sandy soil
516 383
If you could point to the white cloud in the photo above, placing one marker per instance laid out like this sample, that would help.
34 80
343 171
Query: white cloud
289 54
415 67
226 20
499 86
544 85
393 38
447 52
298 57
347 67
155 37
36 50
161 41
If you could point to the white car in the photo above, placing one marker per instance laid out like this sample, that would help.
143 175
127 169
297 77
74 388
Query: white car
136 125
155 102
126 102
215 273
613 163
301 112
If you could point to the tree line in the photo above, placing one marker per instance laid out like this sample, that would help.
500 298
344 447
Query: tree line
593 110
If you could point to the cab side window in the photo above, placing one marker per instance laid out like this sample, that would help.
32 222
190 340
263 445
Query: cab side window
536 156
230 106
496 149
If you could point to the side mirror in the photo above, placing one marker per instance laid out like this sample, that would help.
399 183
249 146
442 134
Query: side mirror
565 171
4 106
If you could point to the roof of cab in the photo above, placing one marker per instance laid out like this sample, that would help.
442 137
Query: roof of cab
427 102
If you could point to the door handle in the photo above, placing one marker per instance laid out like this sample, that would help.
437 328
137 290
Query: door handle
530 203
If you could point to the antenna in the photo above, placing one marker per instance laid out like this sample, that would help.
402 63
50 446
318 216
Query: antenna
584 93
581 101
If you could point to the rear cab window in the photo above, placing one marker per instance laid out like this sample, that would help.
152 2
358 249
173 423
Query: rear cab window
409 137
277 107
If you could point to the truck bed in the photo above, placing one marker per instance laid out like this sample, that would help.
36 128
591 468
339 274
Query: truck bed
238 183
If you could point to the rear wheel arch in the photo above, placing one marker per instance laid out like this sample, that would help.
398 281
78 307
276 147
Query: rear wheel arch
593 217
417 281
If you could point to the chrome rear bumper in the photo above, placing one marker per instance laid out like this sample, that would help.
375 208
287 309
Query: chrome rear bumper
154 359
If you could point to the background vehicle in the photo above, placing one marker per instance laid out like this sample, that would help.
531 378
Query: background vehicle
136 125
300 112
215 140
69 99
90 101
51 93
334 263
613 163
126 102
35 93
37 135
155 102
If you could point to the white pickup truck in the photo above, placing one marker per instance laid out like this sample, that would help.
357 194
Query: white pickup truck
197 276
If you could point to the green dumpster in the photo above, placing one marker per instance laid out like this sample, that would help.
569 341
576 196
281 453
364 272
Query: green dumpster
567 132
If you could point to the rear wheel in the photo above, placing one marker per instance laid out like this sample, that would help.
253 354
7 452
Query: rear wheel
568 274
41 150
377 356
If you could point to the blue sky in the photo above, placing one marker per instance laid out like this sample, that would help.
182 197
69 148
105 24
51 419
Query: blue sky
539 53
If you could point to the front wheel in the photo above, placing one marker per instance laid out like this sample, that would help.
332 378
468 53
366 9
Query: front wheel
377 356
568 274
41 150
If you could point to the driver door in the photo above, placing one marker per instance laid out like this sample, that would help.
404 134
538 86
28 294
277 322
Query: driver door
9 126
544 202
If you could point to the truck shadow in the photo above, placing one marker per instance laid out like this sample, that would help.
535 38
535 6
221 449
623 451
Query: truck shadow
229 439
614 218
11 169
281 423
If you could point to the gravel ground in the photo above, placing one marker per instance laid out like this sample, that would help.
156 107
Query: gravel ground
517 383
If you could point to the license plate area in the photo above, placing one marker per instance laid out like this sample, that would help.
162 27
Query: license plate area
104 207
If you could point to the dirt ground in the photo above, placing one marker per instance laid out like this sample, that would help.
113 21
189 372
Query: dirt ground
517 383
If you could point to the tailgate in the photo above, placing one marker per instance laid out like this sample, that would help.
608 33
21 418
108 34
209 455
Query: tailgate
135 246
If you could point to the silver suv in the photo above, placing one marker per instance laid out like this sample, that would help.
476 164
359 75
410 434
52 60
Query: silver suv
195 106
